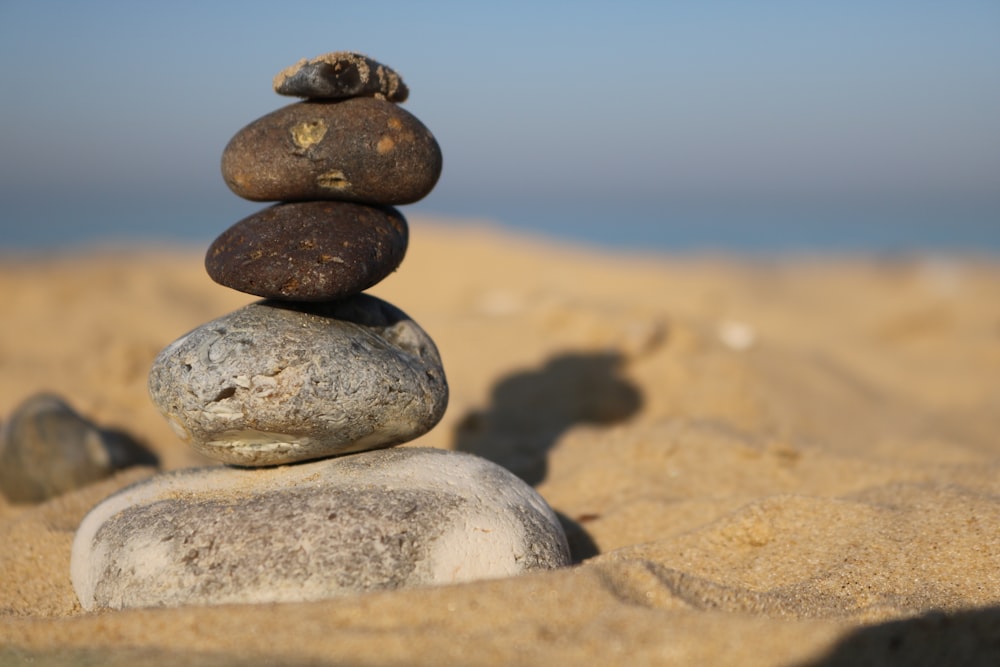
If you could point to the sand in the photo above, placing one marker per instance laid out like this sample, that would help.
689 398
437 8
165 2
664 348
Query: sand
791 462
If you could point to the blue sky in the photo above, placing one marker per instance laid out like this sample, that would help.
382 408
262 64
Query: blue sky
114 114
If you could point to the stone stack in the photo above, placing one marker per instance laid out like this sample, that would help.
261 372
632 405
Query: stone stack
312 372
317 369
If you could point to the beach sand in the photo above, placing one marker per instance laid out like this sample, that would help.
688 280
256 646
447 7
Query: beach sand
789 462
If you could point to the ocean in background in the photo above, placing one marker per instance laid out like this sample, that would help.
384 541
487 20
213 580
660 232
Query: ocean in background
40 226
755 230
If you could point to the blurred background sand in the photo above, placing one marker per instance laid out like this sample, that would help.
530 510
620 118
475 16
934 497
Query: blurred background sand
760 463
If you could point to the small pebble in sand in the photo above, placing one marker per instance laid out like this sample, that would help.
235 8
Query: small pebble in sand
372 521
362 149
278 382
47 449
340 75
309 251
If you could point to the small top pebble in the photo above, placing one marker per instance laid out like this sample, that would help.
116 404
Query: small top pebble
340 75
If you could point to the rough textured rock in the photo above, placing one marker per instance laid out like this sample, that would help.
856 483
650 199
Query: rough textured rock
309 251
361 149
47 449
340 75
278 382
377 520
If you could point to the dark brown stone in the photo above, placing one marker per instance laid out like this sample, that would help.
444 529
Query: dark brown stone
309 251
361 149
340 75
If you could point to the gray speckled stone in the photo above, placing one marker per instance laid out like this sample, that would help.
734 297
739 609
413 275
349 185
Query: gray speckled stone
47 449
377 520
279 382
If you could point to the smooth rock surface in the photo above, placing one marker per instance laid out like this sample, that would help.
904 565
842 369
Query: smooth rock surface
47 449
278 382
340 75
378 520
309 251
362 149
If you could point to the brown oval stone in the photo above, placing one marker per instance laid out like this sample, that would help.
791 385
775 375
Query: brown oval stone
309 251
362 149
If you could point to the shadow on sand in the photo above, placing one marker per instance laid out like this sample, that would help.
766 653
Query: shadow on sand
964 638
529 410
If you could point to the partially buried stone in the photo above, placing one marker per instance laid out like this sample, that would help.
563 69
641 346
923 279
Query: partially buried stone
362 149
380 520
47 449
309 251
278 382
340 75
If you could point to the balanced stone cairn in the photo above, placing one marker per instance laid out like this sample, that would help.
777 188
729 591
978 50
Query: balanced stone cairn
282 389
